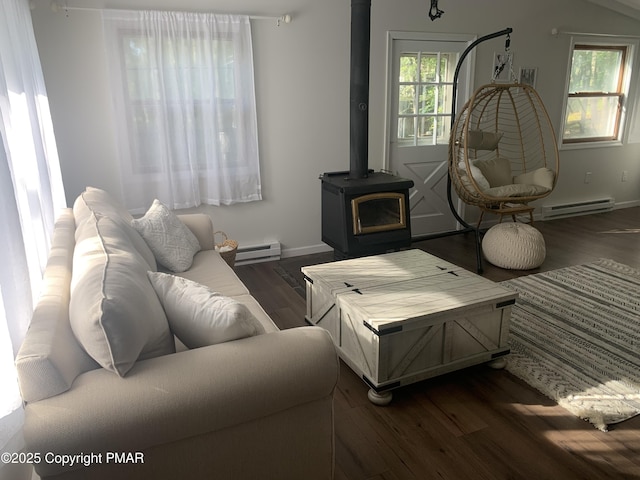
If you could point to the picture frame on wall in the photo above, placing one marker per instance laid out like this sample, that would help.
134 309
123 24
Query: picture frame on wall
502 67
528 76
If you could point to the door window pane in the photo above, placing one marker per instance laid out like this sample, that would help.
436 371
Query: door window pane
408 67
407 105
425 91
406 129
426 128
429 68
445 95
427 99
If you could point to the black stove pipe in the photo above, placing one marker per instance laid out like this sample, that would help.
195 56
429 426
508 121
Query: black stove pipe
359 88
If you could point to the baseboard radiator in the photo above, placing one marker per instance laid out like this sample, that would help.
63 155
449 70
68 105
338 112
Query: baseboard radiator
578 208
258 253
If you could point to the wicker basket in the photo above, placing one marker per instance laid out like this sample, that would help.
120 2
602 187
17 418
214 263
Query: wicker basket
229 256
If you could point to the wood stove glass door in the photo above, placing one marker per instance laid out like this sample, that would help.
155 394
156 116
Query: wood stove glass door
419 101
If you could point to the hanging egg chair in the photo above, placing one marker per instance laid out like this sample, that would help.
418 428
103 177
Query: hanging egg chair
503 152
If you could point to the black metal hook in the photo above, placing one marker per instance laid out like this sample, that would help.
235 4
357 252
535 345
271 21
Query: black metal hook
434 11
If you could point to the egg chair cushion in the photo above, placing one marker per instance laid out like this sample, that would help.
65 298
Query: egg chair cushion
515 190
515 246
541 176
481 140
497 170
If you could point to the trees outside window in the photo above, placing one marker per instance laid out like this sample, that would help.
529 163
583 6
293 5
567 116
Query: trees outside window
597 89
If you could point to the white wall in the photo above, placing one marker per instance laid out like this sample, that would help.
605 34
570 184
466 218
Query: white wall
302 83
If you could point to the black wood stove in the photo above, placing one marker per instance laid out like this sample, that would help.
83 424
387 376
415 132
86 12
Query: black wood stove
363 212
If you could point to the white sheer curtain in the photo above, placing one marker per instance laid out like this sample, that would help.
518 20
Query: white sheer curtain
31 195
184 101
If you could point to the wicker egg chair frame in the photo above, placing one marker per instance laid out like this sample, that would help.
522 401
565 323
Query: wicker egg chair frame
516 115
519 130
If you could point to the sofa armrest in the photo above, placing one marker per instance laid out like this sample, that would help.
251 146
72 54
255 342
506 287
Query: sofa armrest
169 398
202 227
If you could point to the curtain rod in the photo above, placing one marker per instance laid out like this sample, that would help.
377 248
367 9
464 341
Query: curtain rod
56 7
555 32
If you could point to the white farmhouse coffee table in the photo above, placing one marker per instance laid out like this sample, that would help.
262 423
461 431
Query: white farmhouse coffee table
406 316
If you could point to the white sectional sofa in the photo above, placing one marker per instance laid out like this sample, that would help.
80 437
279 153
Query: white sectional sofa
109 392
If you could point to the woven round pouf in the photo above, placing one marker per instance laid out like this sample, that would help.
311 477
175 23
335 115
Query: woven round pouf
515 246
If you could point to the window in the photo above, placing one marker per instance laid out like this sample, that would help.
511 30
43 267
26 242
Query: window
156 95
597 89
425 93
184 97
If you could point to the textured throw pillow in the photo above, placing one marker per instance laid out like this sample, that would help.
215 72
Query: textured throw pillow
114 312
496 170
481 140
199 316
170 240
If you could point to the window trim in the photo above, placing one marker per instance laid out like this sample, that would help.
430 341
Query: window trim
626 92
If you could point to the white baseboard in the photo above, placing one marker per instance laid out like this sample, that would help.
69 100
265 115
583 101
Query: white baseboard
308 250
629 204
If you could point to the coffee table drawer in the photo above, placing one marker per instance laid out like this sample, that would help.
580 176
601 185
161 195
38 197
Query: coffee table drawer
431 347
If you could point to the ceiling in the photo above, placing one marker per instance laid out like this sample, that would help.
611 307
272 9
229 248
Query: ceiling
630 8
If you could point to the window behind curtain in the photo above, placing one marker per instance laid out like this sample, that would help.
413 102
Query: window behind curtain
598 87
185 107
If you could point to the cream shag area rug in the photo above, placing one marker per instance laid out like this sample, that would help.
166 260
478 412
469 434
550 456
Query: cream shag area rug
575 337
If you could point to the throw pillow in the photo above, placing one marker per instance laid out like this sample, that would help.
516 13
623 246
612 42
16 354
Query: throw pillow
113 311
477 175
496 170
198 316
170 240
481 140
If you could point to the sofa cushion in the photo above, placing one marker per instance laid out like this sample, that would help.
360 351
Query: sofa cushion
114 311
171 241
201 226
198 316
210 269
94 200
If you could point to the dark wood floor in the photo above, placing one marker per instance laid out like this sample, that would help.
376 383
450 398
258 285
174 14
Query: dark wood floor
477 423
